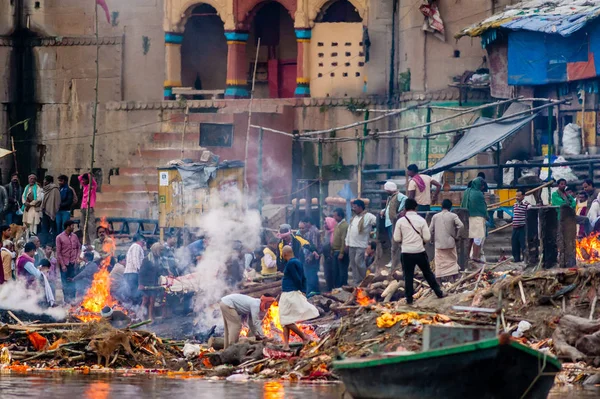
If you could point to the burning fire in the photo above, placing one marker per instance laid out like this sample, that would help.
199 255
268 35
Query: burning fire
98 296
362 298
273 329
588 249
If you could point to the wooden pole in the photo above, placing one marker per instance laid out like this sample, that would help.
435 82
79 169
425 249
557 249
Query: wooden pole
12 141
550 183
250 117
95 129
185 123
320 182
428 139
260 170
405 150
359 164
583 140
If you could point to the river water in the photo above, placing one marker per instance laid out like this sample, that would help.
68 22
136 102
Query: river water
77 386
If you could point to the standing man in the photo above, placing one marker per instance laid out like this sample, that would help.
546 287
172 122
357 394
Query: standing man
338 245
32 205
445 227
412 232
50 208
394 207
8 260
67 254
419 188
299 245
474 202
519 222
67 199
560 196
3 203
14 192
293 305
312 263
88 197
39 252
134 259
234 307
359 231
592 192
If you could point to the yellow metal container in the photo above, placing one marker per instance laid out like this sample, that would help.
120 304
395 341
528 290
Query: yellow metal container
505 194
179 207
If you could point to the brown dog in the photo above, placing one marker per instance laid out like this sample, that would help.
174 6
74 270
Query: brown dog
105 347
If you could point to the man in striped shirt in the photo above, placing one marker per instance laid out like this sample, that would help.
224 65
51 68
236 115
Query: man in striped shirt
519 222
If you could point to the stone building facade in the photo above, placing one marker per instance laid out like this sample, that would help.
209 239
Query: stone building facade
312 73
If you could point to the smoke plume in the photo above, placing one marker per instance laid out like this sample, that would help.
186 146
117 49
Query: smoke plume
225 226
14 295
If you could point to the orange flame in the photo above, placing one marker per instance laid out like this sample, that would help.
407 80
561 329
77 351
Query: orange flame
98 296
362 298
273 328
244 331
588 249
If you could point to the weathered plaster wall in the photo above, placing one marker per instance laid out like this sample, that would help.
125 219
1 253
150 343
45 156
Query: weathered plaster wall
431 61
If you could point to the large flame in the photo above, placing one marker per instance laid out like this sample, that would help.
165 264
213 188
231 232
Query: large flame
588 249
273 329
98 296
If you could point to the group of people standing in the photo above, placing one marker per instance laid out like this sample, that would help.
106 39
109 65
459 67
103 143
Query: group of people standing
44 209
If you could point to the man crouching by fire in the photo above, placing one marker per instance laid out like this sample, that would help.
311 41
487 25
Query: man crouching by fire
234 307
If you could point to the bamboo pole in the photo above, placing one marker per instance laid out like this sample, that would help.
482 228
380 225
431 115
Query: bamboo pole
550 183
260 170
356 124
95 128
500 228
185 124
250 117
504 118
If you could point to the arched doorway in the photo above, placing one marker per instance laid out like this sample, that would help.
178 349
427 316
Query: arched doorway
338 11
204 50
277 59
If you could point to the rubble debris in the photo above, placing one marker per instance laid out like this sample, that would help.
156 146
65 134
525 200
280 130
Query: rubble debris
548 310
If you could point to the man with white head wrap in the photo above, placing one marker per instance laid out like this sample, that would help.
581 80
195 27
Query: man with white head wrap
394 207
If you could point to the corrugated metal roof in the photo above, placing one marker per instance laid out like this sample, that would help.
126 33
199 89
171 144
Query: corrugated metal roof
563 17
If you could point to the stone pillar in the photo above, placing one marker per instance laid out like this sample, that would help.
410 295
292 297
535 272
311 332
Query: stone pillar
303 36
173 42
532 256
462 244
237 65
567 237
548 235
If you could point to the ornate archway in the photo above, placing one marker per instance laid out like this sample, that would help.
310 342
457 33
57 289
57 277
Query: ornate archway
316 6
247 10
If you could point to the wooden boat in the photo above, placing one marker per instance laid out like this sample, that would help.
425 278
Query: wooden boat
493 368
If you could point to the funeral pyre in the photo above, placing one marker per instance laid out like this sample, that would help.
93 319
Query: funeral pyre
549 310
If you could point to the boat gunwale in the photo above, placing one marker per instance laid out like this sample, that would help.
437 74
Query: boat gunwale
451 350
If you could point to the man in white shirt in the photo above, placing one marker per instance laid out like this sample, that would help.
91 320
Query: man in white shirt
234 307
133 263
357 239
411 233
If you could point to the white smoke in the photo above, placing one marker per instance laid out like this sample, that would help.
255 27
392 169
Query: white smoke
223 225
14 295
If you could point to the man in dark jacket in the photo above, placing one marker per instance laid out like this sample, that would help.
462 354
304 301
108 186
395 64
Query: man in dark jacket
66 203
299 245
14 192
